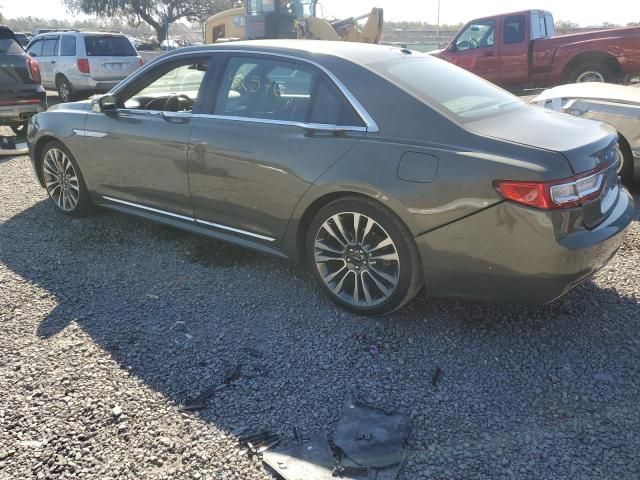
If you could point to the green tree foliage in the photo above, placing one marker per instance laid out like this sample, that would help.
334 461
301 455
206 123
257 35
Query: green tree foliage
158 14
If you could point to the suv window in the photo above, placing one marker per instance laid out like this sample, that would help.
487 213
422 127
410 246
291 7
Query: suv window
35 48
514 29
108 46
171 87
9 46
281 91
478 34
50 47
68 46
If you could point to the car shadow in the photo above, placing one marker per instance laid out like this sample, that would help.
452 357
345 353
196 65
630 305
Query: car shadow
178 310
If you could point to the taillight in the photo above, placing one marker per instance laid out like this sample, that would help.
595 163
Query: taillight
555 194
83 65
34 70
141 61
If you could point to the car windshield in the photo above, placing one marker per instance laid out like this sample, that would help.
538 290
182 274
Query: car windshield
108 46
448 88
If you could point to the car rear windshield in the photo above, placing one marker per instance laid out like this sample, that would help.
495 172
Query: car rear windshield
8 44
108 46
448 88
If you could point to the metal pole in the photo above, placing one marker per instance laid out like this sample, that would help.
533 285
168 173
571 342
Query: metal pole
438 39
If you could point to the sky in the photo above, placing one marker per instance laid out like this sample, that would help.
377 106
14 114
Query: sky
583 12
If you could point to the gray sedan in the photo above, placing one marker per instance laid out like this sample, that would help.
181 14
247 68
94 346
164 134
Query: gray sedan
382 169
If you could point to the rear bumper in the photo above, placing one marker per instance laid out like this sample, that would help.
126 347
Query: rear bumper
10 114
515 254
86 83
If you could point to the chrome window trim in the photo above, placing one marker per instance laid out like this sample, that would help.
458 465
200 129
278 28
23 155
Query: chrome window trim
190 219
370 123
310 126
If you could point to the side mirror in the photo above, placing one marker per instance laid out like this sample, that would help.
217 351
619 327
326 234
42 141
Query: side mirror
105 104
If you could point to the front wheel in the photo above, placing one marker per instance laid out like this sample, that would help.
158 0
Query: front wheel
63 180
363 256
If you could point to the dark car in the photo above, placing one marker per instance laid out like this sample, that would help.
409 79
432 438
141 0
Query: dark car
383 170
23 39
21 95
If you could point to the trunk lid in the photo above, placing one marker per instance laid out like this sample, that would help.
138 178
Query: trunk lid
590 148
14 71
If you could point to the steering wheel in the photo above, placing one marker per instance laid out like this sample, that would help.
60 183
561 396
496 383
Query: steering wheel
179 100
473 43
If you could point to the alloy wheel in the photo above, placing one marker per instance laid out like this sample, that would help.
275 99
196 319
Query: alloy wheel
64 91
357 259
590 76
61 180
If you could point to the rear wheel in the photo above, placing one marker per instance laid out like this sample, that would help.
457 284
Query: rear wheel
19 128
626 169
363 256
592 72
65 90
63 180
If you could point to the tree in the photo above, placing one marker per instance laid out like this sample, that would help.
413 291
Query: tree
566 25
158 14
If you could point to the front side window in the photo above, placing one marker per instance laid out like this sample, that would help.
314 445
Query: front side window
50 47
448 88
68 46
108 46
281 91
171 88
478 34
514 29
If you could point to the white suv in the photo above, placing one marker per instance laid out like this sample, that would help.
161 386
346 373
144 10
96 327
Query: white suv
81 63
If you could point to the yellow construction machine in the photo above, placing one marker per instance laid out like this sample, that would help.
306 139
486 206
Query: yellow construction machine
259 19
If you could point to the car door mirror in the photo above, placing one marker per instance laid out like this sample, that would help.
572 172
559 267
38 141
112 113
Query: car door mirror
106 104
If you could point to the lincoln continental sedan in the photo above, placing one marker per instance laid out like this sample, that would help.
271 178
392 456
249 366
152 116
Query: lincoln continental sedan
384 171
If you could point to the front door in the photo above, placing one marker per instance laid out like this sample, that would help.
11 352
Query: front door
141 157
476 50
277 125
514 53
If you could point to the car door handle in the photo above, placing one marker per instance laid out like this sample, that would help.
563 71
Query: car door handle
488 54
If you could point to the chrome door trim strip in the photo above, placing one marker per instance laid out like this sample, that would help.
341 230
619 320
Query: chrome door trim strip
310 126
89 133
236 230
190 219
371 125
155 210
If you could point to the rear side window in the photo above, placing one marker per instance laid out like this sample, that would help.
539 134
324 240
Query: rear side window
35 48
331 108
108 46
514 29
68 46
50 47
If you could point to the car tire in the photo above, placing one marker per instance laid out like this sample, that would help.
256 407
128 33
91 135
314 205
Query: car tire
372 272
592 72
65 90
63 180
626 169
20 128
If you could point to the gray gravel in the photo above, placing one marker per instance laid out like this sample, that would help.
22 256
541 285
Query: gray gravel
109 323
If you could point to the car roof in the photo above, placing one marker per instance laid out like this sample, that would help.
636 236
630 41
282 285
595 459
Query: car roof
360 53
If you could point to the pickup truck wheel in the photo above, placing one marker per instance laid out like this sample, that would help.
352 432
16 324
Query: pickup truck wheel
19 128
591 72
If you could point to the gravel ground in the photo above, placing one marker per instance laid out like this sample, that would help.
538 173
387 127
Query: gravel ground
109 323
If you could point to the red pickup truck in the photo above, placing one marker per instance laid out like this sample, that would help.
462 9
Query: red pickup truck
520 49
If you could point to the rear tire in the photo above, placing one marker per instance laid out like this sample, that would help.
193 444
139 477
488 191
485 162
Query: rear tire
592 72
65 90
626 170
63 180
363 256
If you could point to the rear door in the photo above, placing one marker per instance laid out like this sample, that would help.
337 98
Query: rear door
514 51
111 57
271 129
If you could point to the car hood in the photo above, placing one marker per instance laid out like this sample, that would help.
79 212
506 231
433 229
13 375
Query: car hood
593 91
577 139
83 105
